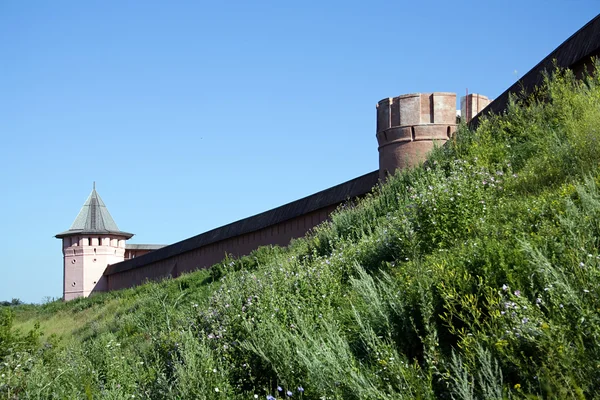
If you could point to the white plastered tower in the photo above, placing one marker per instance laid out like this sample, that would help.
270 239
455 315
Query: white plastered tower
91 244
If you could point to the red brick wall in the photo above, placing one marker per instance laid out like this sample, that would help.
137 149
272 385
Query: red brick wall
205 256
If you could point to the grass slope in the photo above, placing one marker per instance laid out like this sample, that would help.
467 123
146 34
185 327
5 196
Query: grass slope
476 276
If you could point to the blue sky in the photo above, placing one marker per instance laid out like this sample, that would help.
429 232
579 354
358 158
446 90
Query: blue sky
191 115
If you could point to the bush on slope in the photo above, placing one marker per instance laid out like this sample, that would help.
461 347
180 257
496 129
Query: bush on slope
475 276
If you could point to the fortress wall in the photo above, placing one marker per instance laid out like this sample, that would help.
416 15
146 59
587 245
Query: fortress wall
205 256
274 227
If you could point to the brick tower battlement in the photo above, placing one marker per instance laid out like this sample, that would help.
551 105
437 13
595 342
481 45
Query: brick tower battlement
472 104
409 126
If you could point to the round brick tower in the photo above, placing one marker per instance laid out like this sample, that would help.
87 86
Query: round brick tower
409 126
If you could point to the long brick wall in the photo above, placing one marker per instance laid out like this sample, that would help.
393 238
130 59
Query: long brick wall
277 227
205 256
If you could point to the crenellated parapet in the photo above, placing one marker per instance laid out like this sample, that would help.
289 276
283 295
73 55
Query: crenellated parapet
472 104
410 126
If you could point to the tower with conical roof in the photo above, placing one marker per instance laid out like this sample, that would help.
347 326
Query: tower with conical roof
91 244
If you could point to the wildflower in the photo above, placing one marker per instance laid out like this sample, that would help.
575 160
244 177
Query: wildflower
256 396
289 393
217 390
525 320
560 305
505 287
538 301
586 291
517 293
269 397
279 389
300 389
581 264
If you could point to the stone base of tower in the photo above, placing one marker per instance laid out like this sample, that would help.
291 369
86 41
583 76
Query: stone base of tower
405 155
74 295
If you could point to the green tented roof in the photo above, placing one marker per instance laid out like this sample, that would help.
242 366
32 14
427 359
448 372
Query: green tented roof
94 218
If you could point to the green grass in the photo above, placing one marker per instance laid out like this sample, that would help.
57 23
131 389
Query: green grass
475 276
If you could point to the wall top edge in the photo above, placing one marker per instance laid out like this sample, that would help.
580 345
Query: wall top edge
408 95
331 196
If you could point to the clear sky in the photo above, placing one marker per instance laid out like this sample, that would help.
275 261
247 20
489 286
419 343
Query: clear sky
193 114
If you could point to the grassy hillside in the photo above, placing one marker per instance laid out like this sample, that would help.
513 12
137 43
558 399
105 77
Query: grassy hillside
476 276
